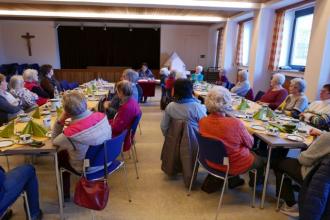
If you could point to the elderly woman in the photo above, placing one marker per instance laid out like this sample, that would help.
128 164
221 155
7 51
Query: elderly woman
318 112
31 79
296 102
48 81
169 84
197 76
86 129
145 72
231 131
164 72
184 107
9 105
243 85
128 110
223 80
132 76
28 99
276 94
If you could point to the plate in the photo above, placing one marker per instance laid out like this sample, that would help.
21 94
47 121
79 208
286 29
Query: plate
23 120
285 118
238 115
6 143
45 113
92 99
274 134
258 127
297 138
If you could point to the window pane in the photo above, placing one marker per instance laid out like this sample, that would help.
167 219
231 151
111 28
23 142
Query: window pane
301 40
246 42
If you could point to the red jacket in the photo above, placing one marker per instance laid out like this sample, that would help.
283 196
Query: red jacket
234 136
124 119
34 87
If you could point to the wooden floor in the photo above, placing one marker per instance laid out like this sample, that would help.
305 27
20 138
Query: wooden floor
154 195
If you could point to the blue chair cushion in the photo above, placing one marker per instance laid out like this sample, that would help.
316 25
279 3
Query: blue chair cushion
115 165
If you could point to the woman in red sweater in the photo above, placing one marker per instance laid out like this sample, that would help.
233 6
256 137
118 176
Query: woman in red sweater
129 109
276 94
231 131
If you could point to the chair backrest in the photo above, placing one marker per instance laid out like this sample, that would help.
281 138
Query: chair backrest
135 124
211 150
259 95
249 95
95 154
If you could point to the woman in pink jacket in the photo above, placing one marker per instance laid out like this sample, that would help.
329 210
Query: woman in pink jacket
129 109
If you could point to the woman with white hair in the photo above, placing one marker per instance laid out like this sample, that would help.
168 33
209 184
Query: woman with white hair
28 99
197 76
296 102
243 85
164 72
231 131
276 94
31 79
86 129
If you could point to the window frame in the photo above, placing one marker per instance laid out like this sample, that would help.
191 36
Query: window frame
298 14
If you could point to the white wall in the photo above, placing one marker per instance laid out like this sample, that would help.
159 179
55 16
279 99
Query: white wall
44 45
188 41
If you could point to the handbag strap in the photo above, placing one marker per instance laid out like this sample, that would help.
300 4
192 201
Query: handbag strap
105 161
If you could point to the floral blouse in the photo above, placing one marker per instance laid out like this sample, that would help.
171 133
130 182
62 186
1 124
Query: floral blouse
26 97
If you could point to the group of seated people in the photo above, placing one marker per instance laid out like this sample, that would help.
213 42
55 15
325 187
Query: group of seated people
26 92
217 121
87 128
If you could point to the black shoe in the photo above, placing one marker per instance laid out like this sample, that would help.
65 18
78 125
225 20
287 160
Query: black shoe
212 184
235 182
8 214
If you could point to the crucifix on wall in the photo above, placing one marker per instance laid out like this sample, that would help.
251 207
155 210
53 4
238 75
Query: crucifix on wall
28 38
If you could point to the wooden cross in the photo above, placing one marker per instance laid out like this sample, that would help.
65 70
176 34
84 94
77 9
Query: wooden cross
28 38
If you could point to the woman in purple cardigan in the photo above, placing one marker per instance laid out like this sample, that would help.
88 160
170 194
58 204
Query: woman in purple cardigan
129 109
276 94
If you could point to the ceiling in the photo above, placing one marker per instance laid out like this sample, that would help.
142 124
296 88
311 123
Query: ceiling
203 11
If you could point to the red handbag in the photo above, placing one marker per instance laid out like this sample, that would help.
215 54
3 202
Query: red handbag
93 194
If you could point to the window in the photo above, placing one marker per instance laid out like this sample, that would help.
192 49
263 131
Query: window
247 35
300 37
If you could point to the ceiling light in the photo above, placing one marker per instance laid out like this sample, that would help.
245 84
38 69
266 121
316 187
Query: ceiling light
105 27
82 27
98 15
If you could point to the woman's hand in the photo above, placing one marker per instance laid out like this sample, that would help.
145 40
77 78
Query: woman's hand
63 117
315 132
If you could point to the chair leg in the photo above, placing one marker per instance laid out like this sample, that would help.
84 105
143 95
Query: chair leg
134 148
140 129
27 205
193 175
135 164
93 215
279 193
126 182
254 187
221 196
61 180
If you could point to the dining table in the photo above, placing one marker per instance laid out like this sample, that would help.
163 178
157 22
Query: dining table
48 149
261 128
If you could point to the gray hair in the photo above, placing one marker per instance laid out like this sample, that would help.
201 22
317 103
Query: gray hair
130 75
300 83
16 81
30 75
218 99
244 74
180 75
164 71
279 78
200 68
74 103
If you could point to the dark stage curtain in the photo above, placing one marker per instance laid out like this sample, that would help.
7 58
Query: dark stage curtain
94 46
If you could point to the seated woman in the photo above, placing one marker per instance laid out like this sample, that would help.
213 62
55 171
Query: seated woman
9 105
296 102
197 76
223 80
13 183
318 112
31 79
276 94
28 99
164 72
232 132
185 106
128 110
298 169
243 85
169 83
48 81
145 72
86 129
